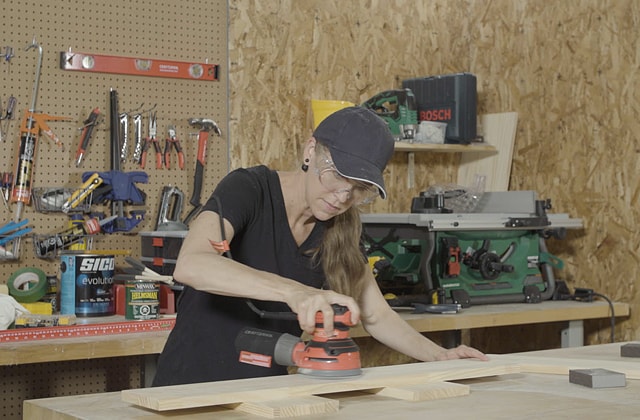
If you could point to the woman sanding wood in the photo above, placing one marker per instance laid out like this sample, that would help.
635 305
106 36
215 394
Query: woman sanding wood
294 237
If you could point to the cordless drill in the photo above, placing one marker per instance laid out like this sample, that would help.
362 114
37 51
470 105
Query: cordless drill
398 108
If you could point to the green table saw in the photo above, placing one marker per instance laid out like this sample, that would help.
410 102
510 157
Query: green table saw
497 254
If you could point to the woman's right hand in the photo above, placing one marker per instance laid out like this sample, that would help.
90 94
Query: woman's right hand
306 303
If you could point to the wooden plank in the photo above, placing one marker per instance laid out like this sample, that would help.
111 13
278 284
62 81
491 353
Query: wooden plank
499 131
608 351
561 366
285 387
402 146
423 392
290 407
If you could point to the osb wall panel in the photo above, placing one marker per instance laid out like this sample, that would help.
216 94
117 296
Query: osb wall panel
568 68
571 71
164 30
285 53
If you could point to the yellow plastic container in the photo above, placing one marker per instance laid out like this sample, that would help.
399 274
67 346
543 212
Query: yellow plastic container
323 108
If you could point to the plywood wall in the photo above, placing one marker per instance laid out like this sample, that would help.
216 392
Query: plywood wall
570 70
184 31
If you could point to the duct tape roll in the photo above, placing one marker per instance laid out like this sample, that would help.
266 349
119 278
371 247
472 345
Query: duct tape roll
28 285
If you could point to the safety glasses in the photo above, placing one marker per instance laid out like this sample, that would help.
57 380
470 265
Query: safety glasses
346 189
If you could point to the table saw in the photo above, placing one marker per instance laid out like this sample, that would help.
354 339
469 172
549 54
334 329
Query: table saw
496 254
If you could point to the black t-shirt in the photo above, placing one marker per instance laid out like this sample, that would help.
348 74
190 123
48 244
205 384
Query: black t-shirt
200 347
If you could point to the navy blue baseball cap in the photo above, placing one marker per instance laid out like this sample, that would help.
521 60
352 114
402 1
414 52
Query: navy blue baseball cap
360 143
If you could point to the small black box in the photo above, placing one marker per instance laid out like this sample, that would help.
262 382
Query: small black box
161 266
162 244
630 350
597 378
450 98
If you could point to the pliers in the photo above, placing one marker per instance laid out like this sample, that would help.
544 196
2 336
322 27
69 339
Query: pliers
151 140
172 139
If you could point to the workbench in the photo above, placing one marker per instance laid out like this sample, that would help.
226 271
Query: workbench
572 313
521 391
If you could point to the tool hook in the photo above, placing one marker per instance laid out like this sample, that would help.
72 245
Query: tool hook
34 44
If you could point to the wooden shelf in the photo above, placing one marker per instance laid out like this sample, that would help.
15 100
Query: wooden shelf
505 314
491 158
403 146
481 316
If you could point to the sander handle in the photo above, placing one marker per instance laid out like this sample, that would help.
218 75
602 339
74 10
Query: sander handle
342 314
289 316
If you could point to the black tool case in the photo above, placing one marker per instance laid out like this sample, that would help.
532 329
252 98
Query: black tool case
450 98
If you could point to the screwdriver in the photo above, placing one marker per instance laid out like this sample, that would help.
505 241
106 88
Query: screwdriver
85 137
9 176
6 186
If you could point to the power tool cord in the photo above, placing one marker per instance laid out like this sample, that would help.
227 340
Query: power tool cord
261 313
586 295
613 316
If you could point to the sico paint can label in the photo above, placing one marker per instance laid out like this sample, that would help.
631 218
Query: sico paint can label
142 300
86 285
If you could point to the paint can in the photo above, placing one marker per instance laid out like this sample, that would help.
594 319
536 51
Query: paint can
142 300
86 284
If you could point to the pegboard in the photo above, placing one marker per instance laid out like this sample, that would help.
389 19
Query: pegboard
78 377
176 30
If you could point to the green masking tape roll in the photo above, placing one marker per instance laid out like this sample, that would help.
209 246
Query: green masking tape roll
28 285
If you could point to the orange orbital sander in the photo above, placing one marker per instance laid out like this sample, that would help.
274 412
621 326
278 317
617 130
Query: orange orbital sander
325 355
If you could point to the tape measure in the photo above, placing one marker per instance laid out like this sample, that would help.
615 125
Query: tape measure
28 285
85 330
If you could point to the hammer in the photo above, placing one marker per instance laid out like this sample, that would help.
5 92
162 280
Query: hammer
205 125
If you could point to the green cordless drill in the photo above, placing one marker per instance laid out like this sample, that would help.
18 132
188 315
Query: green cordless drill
398 108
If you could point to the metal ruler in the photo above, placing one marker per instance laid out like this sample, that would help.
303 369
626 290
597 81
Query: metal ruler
86 330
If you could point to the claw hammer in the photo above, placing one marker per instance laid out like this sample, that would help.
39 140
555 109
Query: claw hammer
206 125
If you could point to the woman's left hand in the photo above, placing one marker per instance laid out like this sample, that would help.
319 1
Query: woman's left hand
462 352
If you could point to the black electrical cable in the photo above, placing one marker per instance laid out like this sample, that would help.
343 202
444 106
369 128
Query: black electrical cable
613 315
261 313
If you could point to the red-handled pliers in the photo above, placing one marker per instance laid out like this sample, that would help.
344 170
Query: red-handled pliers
149 140
172 139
